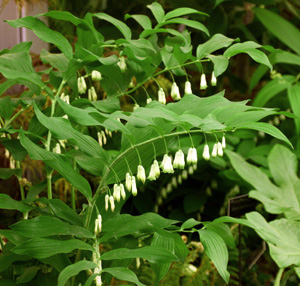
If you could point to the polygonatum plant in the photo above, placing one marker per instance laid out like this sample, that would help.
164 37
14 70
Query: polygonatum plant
102 109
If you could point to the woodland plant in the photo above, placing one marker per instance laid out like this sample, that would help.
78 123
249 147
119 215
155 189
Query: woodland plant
95 115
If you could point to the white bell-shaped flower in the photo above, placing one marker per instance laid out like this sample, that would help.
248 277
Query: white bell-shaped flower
223 142
179 160
166 165
152 174
98 224
117 193
122 190
149 99
156 168
96 75
215 150
206 155
191 170
81 85
112 203
106 202
141 175
213 79
161 96
192 157
203 84
175 94
187 88
220 149
122 64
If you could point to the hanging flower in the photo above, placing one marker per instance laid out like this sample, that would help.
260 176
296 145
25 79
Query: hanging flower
152 173
122 190
191 170
166 164
133 186
57 149
106 202
98 224
192 157
92 95
205 154
117 192
184 174
175 94
223 142
141 175
187 88
203 84
96 75
179 160
128 182
149 99
156 168
213 79
112 203
215 150
136 106
169 188
122 64
81 85
161 96
220 149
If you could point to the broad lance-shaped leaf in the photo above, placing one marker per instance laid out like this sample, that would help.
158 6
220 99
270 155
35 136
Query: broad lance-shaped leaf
294 98
122 273
153 254
43 226
282 236
44 33
215 43
143 20
46 247
157 11
6 173
249 48
182 12
62 129
58 162
216 249
123 28
6 202
278 26
285 197
74 270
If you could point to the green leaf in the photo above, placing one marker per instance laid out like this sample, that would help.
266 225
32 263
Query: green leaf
43 226
61 210
6 173
220 64
46 247
7 258
143 20
126 224
283 198
271 89
216 42
6 202
44 33
122 273
29 274
123 28
6 85
58 61
249 48
154 254
15 148
59 163
173 32
215 248
182 12
278 26
73 270
6 108
282 236
157 11
190 23
267 128
191 222
294 98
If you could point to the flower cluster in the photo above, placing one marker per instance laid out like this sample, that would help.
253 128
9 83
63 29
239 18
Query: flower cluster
203 83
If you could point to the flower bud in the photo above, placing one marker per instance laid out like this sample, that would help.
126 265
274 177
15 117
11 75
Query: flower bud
223 142
128 182
99 138
152 176
98 224
206 155
187 88
141 175
175 94
179 179
136 106
133 186
184 174
112 203
191 170
169 188
81 85
149 99
174 182
57 149
106 202
156 168
203 84
123 193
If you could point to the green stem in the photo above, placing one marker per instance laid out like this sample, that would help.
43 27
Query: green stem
49 184
278 277
7 123
73 201
20 184
163 71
